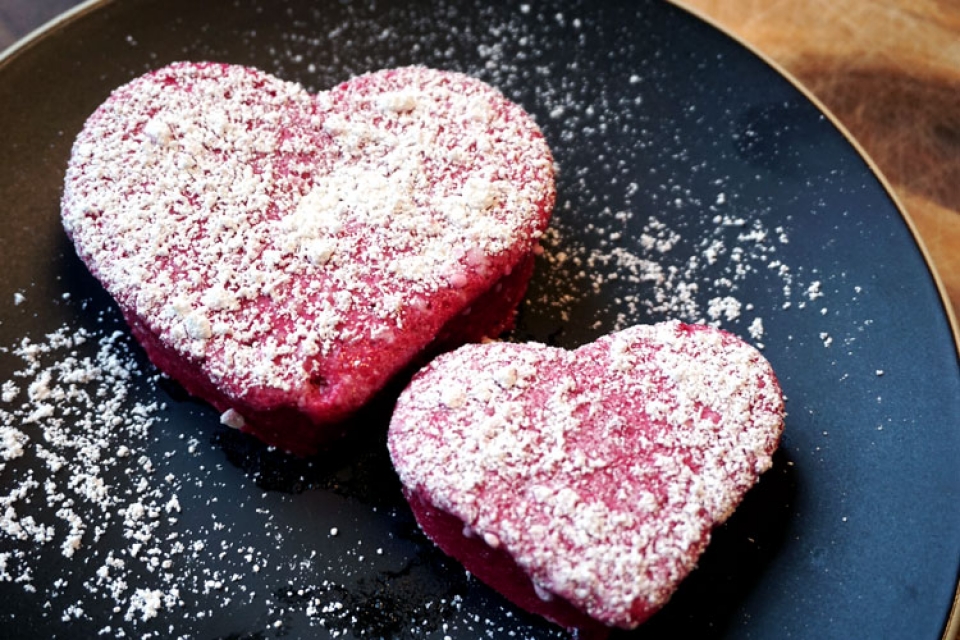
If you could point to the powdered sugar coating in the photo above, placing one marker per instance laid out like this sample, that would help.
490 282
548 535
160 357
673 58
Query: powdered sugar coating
298 250
601 471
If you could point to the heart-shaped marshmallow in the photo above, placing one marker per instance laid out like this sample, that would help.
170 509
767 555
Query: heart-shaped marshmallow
584 484
283 255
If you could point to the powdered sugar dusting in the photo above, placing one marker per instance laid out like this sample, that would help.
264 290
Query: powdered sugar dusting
73 441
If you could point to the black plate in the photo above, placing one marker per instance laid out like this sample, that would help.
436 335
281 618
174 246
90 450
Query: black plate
695 183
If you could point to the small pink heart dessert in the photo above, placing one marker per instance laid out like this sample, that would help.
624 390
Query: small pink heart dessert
284 255
583 485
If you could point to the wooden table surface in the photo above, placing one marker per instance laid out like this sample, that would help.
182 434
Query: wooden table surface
889 70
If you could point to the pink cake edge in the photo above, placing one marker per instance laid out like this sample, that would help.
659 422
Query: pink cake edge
496 568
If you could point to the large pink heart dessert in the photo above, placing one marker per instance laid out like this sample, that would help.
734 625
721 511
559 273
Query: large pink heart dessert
283 255
583 485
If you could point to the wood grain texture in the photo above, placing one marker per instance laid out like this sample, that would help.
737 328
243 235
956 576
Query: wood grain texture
889 70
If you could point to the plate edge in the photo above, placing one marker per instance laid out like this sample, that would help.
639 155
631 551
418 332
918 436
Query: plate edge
37 33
